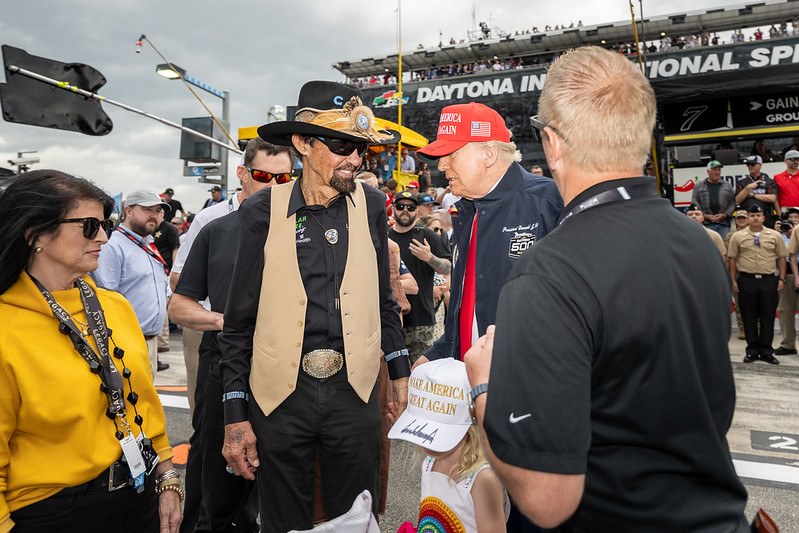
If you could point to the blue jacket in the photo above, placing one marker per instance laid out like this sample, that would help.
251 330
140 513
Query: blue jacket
520 210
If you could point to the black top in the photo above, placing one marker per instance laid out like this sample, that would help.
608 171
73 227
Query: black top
175 206
611 360
167 240
315 257
767 186
209 267
422 312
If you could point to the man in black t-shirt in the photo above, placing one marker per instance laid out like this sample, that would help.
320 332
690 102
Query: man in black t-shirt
758 189
174 204
599 414
424 254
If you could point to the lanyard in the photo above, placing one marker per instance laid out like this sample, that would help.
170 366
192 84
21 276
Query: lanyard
152 253
624 193
99 363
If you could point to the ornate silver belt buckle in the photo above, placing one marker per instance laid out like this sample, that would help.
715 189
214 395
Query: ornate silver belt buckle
323 363
112 470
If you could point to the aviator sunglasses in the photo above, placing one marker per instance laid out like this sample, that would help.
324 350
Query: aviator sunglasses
262 176
91 225
341 147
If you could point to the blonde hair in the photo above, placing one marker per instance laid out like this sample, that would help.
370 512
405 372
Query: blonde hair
472 456
603 108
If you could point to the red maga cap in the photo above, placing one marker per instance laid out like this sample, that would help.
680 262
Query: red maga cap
464 123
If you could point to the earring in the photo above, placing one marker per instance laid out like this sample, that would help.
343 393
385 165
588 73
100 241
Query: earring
38 249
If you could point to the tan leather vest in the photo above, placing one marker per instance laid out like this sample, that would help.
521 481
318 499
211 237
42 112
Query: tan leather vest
280 324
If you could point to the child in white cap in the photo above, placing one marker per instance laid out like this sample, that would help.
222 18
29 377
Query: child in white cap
460 492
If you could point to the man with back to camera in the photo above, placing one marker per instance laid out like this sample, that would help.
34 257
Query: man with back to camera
302 341
583 422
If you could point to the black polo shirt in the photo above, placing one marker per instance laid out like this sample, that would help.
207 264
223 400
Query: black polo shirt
611 360
209 267
322 269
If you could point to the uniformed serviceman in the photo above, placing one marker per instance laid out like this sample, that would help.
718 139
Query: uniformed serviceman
752 267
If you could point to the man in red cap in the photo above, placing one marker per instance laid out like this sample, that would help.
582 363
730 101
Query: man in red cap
502 212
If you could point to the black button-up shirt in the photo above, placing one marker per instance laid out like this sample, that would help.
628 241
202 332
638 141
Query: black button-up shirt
322 269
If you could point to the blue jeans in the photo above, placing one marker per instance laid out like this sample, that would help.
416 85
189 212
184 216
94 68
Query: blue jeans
721 229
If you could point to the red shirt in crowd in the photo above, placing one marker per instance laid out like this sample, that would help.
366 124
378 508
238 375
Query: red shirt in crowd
789 189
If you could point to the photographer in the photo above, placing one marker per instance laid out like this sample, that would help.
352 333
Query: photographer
758 189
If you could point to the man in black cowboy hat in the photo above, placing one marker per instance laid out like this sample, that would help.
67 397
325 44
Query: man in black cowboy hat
302 340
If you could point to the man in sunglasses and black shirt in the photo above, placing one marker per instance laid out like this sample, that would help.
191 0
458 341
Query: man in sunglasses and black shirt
425 254
214 498
313 309
758 189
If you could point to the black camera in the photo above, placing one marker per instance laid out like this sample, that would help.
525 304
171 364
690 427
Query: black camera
785 225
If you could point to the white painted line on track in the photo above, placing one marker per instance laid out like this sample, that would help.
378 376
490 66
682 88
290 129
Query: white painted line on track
766 471
171 400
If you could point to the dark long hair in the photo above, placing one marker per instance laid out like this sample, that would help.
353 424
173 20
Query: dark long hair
30 207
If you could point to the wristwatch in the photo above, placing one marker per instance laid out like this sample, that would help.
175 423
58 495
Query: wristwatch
477 390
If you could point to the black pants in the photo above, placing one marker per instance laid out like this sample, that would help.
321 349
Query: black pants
758 299
81 509
194 461
226 503
324 415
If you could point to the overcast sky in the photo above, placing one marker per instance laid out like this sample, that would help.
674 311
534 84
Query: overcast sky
260 51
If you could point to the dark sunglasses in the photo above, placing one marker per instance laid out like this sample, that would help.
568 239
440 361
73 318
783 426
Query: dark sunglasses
341 147
405 207
539 126
794 159
91 225
750 164
262 176
438 230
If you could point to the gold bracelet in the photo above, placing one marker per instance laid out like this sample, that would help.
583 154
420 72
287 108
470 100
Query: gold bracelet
175 488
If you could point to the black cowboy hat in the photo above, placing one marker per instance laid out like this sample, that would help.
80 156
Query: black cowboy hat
329 109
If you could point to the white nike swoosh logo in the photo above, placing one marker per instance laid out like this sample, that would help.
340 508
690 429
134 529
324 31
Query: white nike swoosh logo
514 419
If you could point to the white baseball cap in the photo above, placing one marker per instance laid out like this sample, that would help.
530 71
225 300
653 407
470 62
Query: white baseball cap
437 417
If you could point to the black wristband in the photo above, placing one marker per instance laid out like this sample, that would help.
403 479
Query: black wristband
399 367
236 410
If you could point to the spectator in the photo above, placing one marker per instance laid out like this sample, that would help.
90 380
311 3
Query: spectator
407 163
695 213
216 196
426 203
788 194
425 255
758 189
130 264
180 225
388 162
716 198
167 241
759 148
423 175
537 170
174 205
752 257
413 187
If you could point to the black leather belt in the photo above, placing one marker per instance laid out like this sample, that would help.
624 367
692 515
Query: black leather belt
755 276
112 478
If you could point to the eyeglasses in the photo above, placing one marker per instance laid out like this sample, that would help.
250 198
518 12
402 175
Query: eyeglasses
405 207
262 176
342 147
539 126
179 224
91 225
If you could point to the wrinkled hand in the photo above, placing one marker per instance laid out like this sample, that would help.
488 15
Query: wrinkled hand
421 250
239 449
478 358
169 512
396 407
